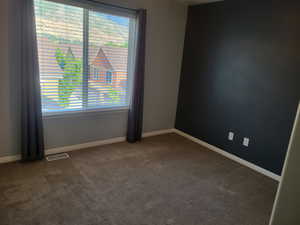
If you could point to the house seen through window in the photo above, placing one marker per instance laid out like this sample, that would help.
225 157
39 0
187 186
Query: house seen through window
83 57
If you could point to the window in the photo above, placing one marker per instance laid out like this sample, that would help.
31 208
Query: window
78 50
94 73
97 74
108 77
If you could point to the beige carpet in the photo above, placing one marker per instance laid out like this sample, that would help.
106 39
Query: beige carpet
164 180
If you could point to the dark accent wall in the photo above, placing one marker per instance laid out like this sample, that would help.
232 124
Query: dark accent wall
241 73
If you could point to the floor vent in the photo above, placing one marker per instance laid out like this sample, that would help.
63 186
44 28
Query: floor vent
57 157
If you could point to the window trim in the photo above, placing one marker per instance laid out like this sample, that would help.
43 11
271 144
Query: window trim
100 7
88 112
112 10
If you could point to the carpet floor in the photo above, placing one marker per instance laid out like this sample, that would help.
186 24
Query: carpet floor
163 180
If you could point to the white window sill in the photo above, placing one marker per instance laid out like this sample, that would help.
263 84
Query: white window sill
85 113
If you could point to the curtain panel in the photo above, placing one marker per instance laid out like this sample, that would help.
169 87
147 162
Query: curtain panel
135 115
25 57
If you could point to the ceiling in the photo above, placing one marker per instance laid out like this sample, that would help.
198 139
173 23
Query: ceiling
194 2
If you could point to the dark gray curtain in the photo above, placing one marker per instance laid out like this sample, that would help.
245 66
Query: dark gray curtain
32 144
135 116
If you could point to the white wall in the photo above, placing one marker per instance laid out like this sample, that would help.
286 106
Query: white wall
287 205
165 37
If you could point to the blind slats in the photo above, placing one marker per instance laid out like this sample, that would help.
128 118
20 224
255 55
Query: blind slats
62 47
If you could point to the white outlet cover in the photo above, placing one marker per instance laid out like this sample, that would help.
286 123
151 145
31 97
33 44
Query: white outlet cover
246 142
230 136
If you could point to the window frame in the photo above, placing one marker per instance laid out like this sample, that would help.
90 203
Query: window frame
88 6
88 112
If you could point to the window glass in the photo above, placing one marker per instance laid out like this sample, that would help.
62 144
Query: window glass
78 50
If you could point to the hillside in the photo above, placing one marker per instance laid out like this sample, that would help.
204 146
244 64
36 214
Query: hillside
60 22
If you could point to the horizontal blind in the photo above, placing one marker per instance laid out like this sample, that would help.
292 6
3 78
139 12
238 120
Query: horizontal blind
108 53
83 57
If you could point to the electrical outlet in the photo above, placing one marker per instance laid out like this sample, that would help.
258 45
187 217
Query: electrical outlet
246 142
230 136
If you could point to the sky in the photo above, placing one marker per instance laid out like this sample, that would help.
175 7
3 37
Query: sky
117 19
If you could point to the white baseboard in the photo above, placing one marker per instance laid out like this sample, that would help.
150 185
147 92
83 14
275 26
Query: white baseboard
13 158
84 145
158 132
230 156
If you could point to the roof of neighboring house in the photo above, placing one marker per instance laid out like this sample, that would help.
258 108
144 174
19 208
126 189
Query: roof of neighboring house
101 60
117 56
